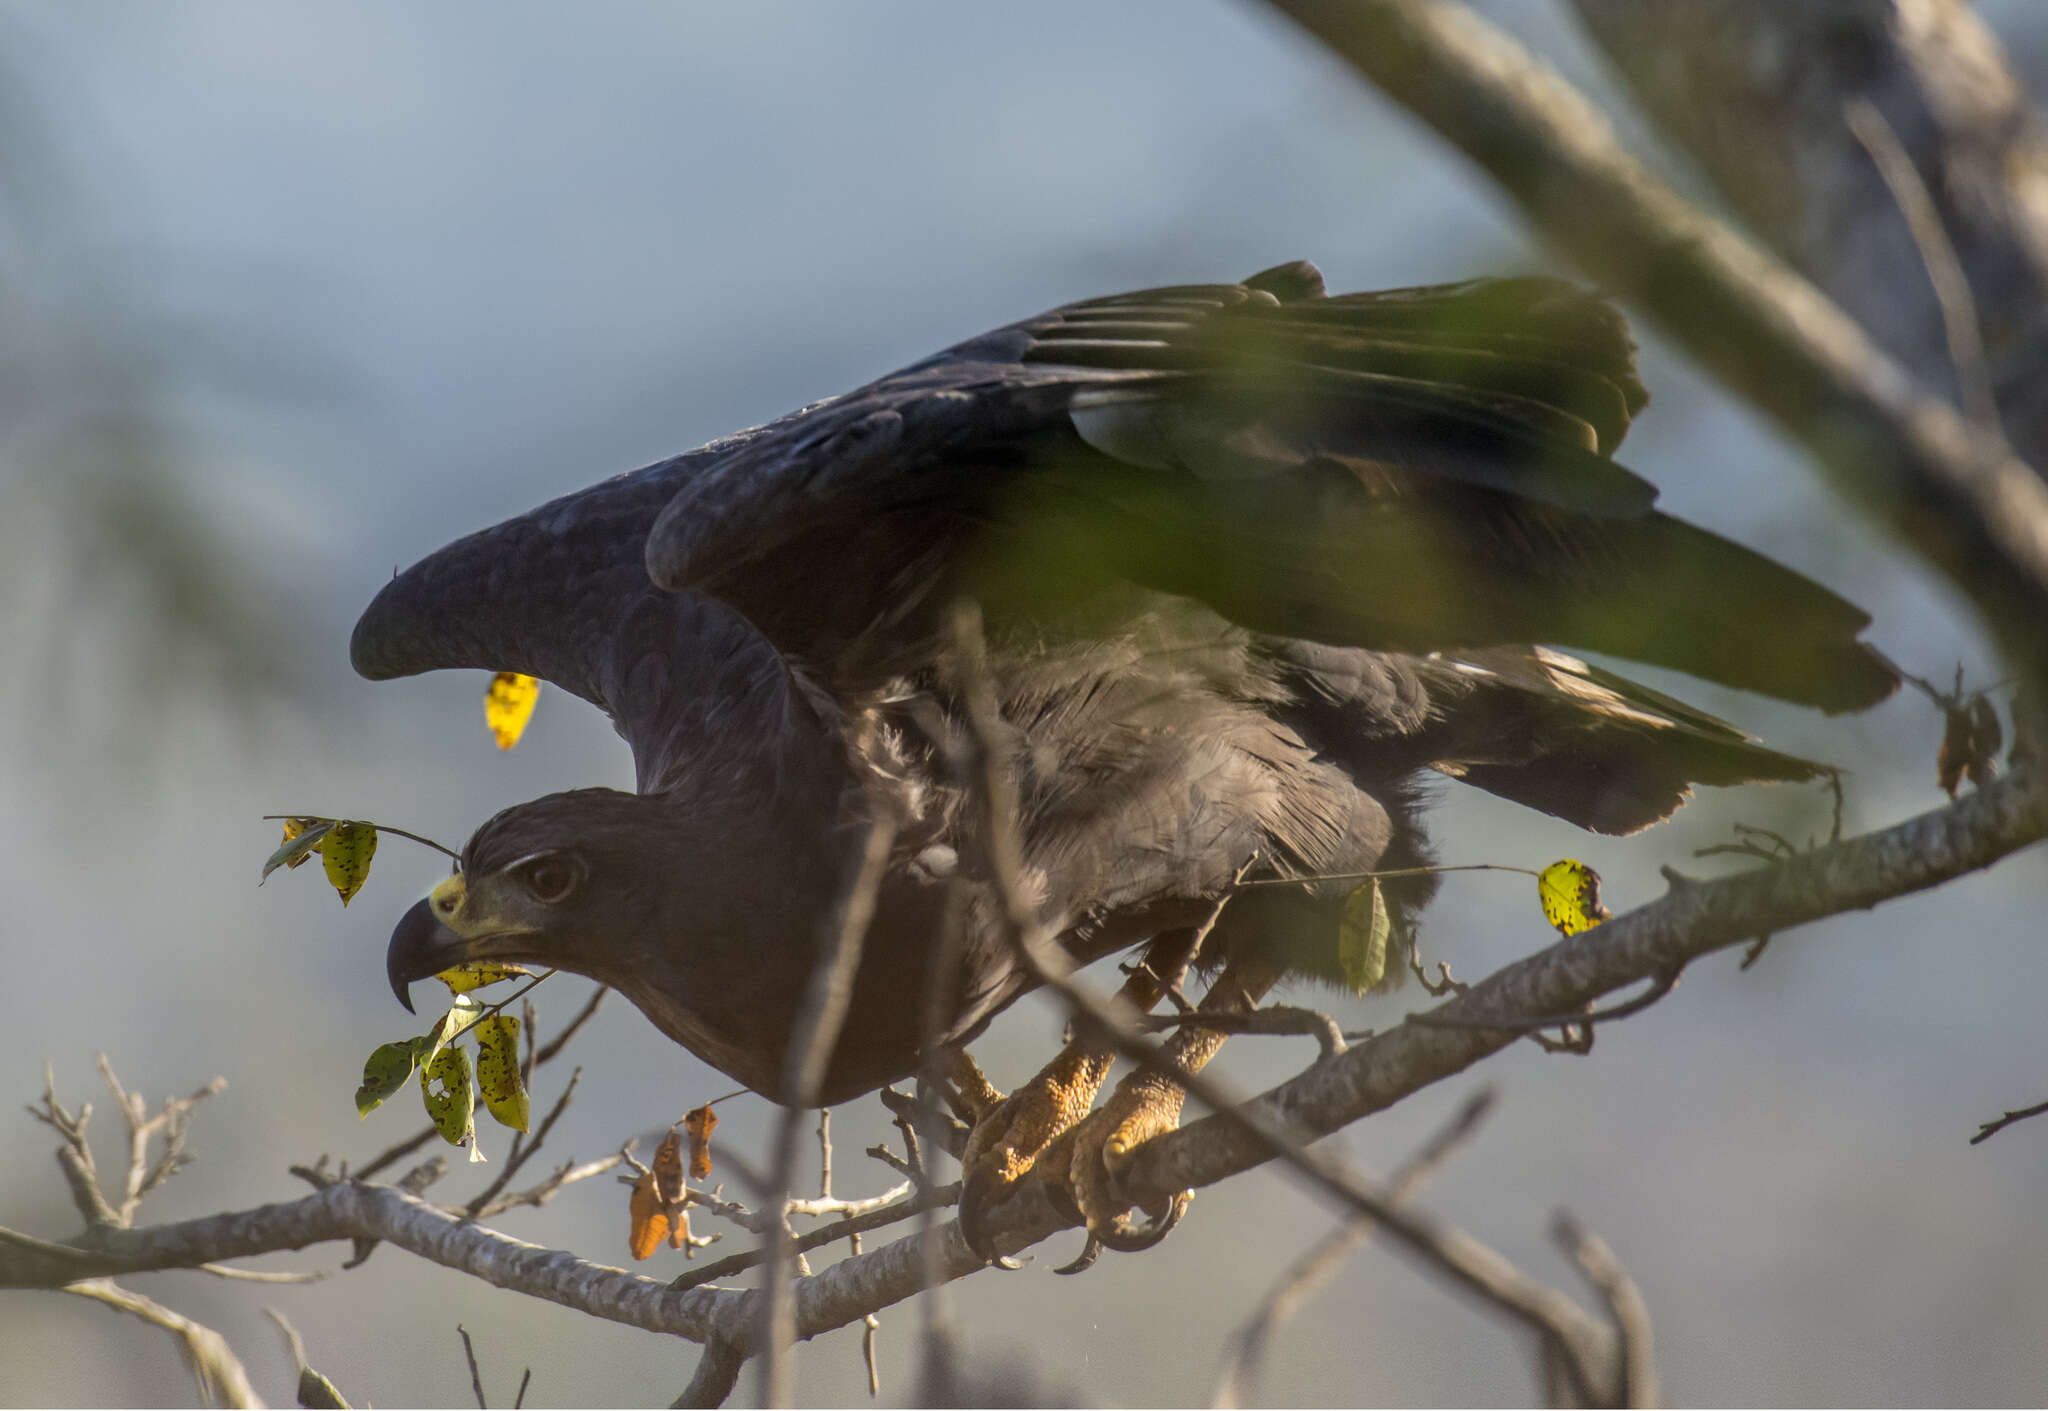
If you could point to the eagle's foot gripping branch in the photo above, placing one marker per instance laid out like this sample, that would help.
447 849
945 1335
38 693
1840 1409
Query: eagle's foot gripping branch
1045 1126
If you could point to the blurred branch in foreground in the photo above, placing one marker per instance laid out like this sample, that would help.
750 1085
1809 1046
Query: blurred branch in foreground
1958 496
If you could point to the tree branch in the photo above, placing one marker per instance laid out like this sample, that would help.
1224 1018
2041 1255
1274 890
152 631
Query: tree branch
214 1366
1758 92
1972 509
1690 920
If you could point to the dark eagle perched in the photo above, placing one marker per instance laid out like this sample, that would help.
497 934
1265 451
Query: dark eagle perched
1253 562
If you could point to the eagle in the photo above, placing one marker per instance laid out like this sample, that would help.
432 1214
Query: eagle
1254 562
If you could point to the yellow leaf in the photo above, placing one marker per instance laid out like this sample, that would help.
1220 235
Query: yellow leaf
649 1217
508 705
1362 938
1570 893
497 1071
449 1095
302 838
464 978
347 850
385 1072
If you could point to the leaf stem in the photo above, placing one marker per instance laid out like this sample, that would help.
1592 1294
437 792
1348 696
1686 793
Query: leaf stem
1387 872
380 827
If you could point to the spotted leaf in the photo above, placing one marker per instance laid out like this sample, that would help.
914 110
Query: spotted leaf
450 1097
347 850
1570 893
497 1071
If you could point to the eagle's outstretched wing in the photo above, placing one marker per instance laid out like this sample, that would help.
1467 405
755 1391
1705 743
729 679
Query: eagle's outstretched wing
1411 470
1417 470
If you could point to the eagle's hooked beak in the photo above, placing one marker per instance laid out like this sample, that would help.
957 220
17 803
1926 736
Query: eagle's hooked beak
423 943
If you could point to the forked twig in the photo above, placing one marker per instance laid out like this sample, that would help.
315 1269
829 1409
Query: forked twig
1247 1347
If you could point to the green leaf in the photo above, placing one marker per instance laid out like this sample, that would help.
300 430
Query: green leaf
497 1071
315 1390
458 1018
449 1096
299 840
385 1072
1362 938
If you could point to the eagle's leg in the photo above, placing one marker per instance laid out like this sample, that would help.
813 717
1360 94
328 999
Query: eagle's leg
1010 1136
1085 1164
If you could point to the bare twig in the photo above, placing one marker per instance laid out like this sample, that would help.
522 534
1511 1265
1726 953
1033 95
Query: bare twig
170 1123
1445 983
1268 1019
219 1373
74 1156
897 1164
1938 255
554 1046
263 1276
908 1209
395 1153
476 1381
1660 986
314 1390
567 1174
760 1223
1247 1348
812 1038
1636 1374
522 1150
1999 1124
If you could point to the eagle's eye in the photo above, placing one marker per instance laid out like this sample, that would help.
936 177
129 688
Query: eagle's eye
550 877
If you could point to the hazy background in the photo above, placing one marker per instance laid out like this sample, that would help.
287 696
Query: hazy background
291 296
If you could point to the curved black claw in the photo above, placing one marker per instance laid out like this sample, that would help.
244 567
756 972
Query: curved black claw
979 1194
1126 1237
1090 1252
